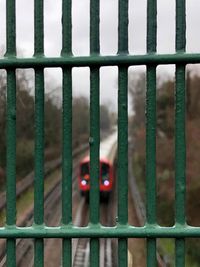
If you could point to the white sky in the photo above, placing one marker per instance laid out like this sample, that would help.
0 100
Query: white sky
108 35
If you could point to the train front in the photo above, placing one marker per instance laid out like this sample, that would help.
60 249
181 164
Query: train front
106 161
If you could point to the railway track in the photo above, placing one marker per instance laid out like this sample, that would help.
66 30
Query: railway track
25 183
81 246
82 253
24 247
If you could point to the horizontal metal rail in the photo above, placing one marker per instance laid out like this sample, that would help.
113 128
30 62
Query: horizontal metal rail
98 231
97 60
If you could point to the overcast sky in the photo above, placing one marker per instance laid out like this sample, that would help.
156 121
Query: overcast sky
108 35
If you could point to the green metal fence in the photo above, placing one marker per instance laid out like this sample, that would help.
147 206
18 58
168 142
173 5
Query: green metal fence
151 230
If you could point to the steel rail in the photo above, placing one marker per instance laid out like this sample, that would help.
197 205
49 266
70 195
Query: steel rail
51 198
51 202
25 183
98 60
106 252
26 246
28 220
81 257
81 246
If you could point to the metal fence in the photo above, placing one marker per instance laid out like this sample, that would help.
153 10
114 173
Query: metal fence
151 230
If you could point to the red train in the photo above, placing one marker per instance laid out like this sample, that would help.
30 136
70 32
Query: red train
107 156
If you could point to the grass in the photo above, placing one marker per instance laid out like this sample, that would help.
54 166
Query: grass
166 249
26 199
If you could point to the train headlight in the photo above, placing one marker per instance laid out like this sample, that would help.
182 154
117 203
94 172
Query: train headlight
83 182
106 183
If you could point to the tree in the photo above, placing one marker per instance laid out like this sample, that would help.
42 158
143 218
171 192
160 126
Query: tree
53 123
165 108
25 105
105 120
137 90
80 120
2 118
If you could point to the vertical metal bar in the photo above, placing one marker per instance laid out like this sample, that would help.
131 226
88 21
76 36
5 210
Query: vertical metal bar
151 130
67 132
180 146
66 27
122 131
11 148
39 147
11 131
39 28
39 132
94 130
10 28
11 163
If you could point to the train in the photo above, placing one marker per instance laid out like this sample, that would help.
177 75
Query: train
107 155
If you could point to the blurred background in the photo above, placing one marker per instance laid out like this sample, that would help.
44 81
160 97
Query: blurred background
25 81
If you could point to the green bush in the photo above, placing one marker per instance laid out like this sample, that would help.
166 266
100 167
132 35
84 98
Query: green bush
25 157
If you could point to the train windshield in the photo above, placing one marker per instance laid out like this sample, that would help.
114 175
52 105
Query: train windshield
104 171
84 169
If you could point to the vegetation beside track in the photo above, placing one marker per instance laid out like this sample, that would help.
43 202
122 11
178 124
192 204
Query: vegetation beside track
25 201
165 167
25 128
